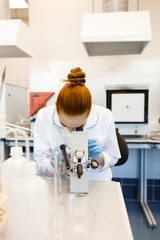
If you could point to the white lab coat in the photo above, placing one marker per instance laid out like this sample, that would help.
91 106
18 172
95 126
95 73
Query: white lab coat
49 133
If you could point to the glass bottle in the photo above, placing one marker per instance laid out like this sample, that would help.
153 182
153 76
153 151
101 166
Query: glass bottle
27 204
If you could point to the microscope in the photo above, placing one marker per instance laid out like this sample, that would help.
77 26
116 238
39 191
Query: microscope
78 162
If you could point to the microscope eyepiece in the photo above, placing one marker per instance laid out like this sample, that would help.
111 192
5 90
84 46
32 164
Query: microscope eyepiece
79 129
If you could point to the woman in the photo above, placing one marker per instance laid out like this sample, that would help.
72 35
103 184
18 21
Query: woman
74 109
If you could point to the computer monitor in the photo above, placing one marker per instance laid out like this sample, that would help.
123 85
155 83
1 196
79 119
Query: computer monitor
128 105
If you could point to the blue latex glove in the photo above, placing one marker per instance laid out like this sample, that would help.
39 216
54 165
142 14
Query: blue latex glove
94 148
56 149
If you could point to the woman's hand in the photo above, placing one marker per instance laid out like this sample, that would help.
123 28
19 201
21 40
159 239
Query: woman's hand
94 148
56 149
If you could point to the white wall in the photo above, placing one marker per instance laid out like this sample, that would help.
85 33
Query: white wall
55 27
17 70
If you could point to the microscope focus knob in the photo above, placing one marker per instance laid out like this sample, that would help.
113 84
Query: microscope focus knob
94 164
79 170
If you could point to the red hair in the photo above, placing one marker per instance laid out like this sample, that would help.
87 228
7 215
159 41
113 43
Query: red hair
74 98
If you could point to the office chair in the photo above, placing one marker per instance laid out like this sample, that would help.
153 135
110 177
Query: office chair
123 149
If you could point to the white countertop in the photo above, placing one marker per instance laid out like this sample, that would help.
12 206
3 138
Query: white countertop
141 140
100 214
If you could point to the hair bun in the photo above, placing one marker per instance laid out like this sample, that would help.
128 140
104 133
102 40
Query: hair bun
77 76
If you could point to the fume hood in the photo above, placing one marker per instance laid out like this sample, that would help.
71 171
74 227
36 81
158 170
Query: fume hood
116 33
14 39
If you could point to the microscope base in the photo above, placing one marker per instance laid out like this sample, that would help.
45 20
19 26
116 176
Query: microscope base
79 185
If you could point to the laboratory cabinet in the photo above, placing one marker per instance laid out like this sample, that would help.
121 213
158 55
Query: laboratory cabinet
14 104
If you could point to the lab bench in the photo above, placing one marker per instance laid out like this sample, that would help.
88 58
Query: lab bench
142 145
5 145
100 214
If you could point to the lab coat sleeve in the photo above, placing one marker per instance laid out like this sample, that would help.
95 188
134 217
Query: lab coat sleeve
111 151
42 150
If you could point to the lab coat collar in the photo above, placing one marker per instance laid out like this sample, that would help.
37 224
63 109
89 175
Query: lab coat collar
91 121
55 119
